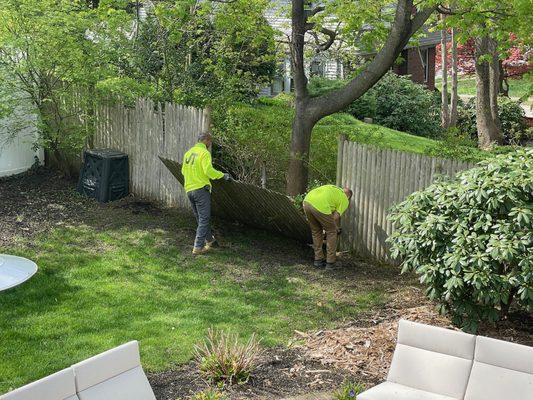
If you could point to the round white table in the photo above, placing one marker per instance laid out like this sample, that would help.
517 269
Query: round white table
15 270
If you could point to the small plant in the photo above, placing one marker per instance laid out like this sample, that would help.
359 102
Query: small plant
348 391
209 394
224 360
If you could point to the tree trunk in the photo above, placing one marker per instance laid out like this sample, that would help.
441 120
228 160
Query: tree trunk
444 111
310 110
504 84
455 96
298 174
488 131
494 73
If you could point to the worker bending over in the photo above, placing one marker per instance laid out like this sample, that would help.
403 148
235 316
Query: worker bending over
197 170
323 207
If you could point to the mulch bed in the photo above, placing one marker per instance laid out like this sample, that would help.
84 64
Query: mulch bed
282 372
36 201
364 348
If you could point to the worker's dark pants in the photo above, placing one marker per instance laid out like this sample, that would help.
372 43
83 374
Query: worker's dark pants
201 206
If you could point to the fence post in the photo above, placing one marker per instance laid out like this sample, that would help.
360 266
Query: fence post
340 155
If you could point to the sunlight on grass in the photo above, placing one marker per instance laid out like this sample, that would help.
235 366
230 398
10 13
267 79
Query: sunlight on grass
96 289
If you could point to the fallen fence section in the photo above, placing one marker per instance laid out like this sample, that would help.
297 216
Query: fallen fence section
379 179
252 205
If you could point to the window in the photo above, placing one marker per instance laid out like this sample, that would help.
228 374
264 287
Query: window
424 56
316 68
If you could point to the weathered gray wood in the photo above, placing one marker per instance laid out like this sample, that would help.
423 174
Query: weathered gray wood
380 179
144 132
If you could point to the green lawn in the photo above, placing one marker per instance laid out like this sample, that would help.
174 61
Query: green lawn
120 275
379 136
517 87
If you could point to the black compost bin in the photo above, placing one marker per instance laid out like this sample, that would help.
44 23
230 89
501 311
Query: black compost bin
104 175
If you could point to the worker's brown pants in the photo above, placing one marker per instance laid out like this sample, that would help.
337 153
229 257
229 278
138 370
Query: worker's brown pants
319 223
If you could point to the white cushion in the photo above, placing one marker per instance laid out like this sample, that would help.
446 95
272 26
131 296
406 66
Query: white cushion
431 359
113 375
439 340
501 370
394 391
59 386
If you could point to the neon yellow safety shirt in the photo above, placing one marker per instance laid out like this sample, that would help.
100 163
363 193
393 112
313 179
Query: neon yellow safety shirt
197 168
327 199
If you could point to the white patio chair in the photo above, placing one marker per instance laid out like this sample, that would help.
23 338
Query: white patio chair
429 363
59 386
501 371
116 374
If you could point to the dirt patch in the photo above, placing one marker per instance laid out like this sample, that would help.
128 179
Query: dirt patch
39 200
282 372
36 201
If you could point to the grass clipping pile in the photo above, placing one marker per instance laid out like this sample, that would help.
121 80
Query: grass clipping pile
367 351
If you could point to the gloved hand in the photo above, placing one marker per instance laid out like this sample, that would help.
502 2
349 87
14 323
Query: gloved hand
228 177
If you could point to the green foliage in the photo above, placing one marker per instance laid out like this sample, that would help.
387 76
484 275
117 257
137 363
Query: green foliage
349 391
469 239
224 360
66 56
457 145
514 128
252 137
319 86
204 53
398 103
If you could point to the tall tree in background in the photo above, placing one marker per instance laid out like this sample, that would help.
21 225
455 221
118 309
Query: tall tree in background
490 23
392 27
49 50
448 106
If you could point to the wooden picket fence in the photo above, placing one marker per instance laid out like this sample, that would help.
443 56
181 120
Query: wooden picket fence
379 179
145 132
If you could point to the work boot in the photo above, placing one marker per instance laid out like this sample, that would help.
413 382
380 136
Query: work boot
200 250
213 244
330 266
319 264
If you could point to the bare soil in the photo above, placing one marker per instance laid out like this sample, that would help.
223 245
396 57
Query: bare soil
282 372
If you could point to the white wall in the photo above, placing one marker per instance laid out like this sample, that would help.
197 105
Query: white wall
18 134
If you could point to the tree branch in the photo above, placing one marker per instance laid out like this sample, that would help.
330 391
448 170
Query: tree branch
332 35
401 31
316 10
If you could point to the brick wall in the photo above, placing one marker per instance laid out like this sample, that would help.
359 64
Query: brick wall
412 65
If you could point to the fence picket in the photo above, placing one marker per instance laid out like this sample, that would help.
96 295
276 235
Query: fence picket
380 179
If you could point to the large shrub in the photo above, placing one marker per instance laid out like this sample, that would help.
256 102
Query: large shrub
514 127
398 103
469 239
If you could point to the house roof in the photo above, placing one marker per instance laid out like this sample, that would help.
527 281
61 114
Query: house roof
430 39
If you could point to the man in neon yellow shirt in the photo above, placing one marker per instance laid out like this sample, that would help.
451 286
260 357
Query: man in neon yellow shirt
198 170
323 207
